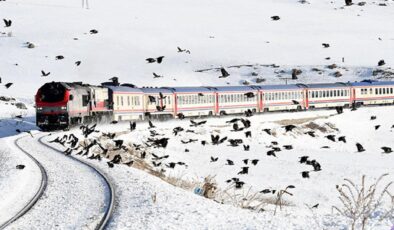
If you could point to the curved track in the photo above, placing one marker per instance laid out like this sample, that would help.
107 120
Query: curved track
109 207
39 193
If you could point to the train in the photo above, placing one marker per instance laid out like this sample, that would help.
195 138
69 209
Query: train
60 105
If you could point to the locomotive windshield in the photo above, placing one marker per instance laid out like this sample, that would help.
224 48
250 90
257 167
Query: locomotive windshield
52 92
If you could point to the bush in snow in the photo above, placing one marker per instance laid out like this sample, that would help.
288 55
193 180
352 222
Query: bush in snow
362 204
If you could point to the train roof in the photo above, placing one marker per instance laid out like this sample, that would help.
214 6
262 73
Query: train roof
327 85
372 83
200 89
281 87
123 89
234 88
155 90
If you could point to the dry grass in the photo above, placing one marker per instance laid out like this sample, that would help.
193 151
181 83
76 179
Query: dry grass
359 202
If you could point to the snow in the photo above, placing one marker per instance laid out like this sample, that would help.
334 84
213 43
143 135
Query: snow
218 33
338 162
234 34
16 186
75 189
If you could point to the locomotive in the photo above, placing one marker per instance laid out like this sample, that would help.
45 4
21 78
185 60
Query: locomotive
60 105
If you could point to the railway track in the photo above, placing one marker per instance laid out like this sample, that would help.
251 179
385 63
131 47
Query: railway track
108 186
39 193
110 201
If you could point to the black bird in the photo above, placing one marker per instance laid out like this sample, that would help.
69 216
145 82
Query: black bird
236 127
246 147
360 148
214 159
248 113
325 45
93 31
181 116
289 127
235 142
152 99
68 151
155 164
216 139
305 174
8 85
43 74
118 143
245 170
195 124
161 96
255 161
249 94
114 122
268 131
203 143
239 184
295 102
200 94
316 166
77 63
171 165
271 153
230 162
176 130
246 123
348 2
20 166
311 133
224 73
133 125
315 206
151 126
183 50
59 57
373 117
381 63
274 142
387 149
160 108
189 141
265 191
288 147
245 161
110 164
233 120
159 59
150 60
377 127
276 149
155 75
275 18
7 23
303 159
342 138
331 137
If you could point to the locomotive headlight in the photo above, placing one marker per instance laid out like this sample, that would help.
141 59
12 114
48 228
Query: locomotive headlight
64 107
39 108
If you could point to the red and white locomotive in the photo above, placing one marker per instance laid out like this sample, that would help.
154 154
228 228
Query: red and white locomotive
60 104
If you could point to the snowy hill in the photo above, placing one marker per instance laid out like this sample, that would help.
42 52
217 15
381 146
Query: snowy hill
217 33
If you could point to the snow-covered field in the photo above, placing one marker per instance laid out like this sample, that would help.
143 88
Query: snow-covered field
217 33
238 35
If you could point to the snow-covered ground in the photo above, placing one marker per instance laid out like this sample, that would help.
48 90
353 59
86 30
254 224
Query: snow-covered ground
217 33
238 35
339 161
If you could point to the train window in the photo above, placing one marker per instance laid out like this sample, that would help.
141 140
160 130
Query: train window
391 90
71 97
376 91
121 100
117 100
128 100
380 90
85 100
